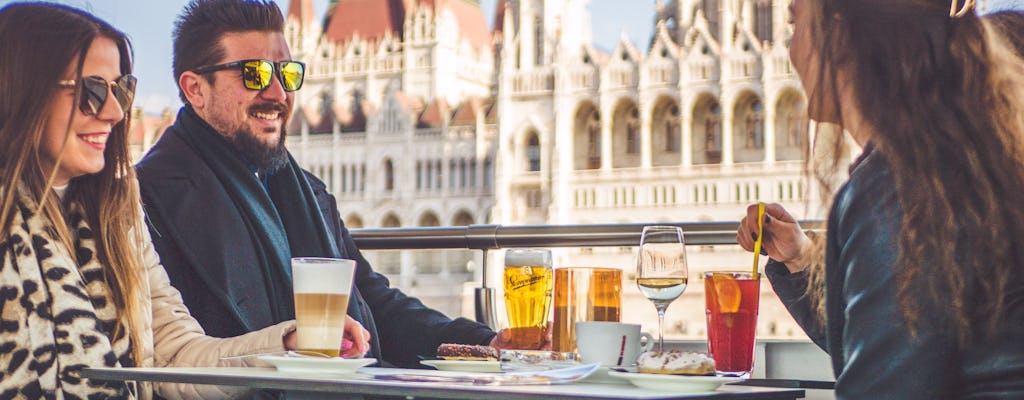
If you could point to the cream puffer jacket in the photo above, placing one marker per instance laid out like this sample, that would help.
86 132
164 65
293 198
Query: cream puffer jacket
172 338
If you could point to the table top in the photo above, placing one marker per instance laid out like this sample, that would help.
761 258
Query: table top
360 383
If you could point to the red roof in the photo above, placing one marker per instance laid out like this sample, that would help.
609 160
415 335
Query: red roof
470 17
301 10
370 19
373 19
466 113
433 116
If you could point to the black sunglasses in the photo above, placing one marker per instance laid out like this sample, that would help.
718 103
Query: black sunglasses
256 74
94 92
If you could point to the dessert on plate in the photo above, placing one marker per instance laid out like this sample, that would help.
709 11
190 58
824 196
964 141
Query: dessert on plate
675 362
466 352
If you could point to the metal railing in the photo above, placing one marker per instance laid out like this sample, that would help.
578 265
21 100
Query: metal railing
492 237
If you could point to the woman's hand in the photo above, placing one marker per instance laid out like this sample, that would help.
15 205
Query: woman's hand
356 342
783 240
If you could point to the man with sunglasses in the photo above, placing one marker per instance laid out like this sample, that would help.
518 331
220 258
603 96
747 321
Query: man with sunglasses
228 206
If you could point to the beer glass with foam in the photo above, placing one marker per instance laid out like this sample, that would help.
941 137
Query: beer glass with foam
322 287
528 283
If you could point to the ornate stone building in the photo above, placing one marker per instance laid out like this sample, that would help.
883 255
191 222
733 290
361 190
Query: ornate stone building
416 115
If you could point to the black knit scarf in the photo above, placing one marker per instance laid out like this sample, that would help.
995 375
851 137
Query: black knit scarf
282 221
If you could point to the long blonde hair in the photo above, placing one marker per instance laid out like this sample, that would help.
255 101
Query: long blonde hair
40 42
943 97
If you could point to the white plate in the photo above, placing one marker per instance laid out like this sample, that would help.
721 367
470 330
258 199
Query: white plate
464 365
315 364
602 376
674 383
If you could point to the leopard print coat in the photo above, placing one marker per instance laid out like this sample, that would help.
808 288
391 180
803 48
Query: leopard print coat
57 315
169 336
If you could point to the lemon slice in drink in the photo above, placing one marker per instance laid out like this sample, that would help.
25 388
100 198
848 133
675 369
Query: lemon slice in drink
727 291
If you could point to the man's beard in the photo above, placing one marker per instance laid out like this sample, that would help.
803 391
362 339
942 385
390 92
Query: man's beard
267 158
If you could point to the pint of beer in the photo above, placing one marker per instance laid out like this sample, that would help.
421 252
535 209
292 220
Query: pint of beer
322 288
584 294
528 281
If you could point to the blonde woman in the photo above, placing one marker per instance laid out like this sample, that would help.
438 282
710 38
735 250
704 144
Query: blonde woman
80 283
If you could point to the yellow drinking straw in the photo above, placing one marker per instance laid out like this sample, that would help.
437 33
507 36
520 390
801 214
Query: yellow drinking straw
760 235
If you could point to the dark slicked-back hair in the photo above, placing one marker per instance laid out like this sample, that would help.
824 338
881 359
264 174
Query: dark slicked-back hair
202 24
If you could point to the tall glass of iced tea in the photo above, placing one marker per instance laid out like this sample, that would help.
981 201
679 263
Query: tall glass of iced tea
583 294
731 300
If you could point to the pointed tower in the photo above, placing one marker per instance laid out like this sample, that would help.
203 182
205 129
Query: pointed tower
302 31
301 10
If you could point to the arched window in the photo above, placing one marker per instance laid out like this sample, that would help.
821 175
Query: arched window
389 175
429 219
593 130
586 137
763 19
533 152
462 218
362 177
712 12
453 174
437 174
353 221
633 132
391 221
488 173
538 40
713 133
790 127
419 175
753 127
344 179
672 130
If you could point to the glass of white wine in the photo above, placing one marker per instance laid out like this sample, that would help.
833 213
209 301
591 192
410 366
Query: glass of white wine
661 270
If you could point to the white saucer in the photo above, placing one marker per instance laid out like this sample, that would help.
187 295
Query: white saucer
675 383
601 375
464 365
335 365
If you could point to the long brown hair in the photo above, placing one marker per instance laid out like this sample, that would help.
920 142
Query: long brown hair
943 101
1009 25
40 42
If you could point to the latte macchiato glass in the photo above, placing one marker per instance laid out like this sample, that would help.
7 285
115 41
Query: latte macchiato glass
322 288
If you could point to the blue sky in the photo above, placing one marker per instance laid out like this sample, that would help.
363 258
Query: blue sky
148 23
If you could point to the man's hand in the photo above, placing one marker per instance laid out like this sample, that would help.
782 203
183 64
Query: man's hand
524 339
783 240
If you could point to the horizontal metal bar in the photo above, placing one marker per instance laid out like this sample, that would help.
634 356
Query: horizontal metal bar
485 237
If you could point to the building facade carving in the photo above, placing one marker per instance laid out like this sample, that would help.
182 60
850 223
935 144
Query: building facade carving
416 114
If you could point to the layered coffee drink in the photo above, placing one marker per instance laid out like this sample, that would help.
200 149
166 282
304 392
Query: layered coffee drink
320 317
322 288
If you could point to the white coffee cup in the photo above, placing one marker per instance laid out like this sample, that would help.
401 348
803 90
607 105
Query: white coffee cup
611 344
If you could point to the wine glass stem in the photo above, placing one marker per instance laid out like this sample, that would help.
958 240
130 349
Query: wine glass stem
661 326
